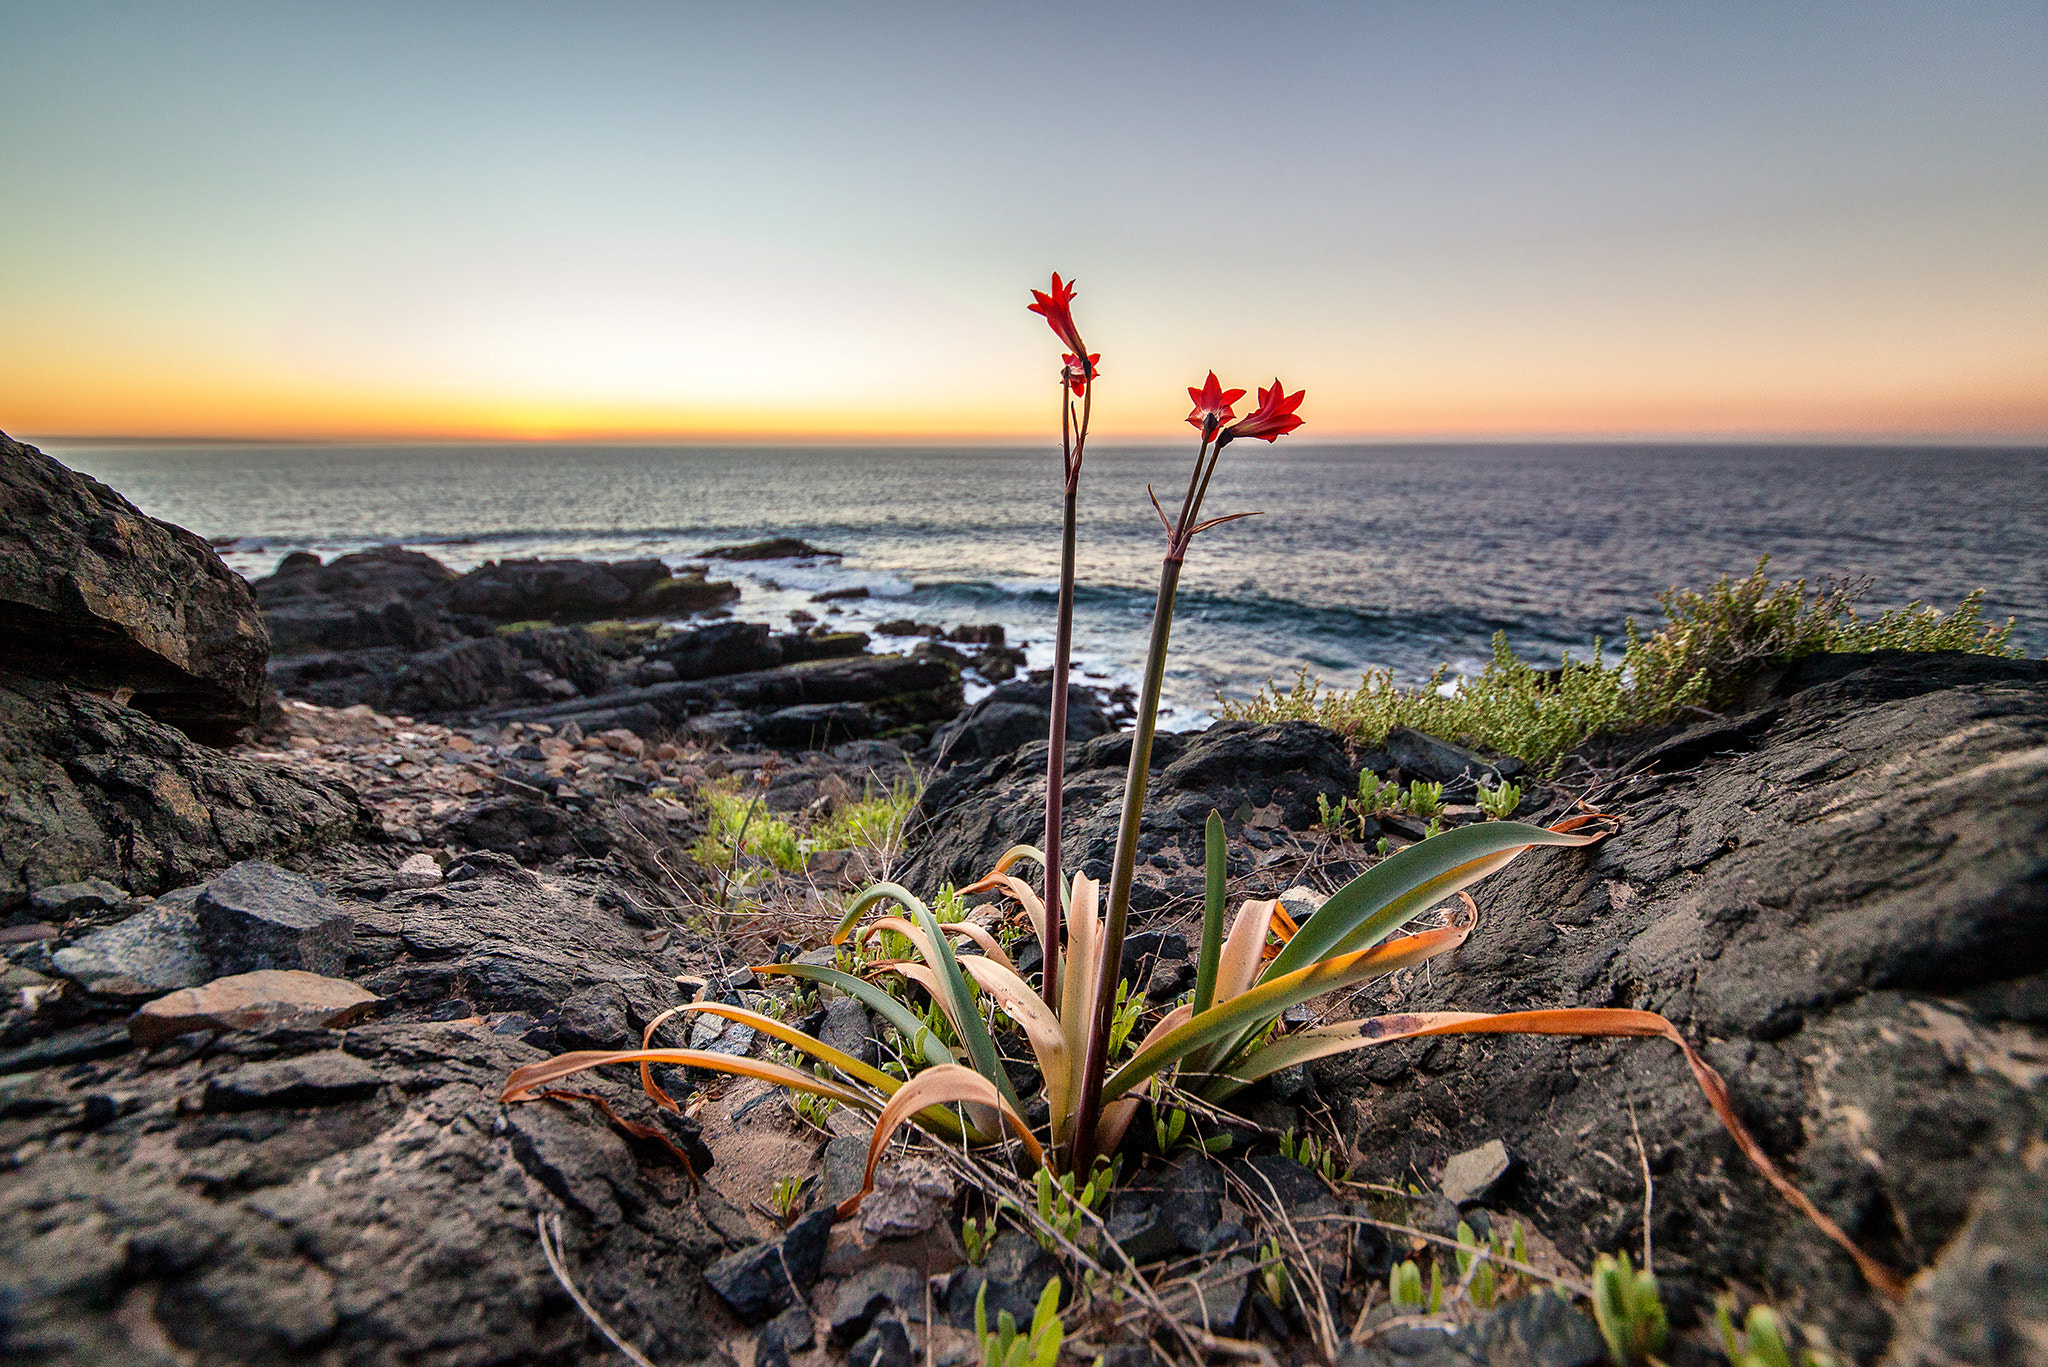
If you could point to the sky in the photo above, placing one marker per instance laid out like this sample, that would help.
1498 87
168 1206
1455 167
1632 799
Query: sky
693 221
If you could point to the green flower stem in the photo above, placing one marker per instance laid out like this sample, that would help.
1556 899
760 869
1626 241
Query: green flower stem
1056 753
1090 1110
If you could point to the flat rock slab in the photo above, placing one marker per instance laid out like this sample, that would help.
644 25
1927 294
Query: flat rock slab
315 1080
1468 1176
249 1001
156 951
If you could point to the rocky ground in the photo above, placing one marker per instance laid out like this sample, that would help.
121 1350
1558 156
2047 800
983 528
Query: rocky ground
261 1000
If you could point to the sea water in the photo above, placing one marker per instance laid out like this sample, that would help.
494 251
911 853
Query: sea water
1405 556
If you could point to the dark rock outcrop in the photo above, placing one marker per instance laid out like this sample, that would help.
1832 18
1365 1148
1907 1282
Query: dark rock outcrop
582 591
95 789
1013 716
1841 897
1263 777
95 593
774 548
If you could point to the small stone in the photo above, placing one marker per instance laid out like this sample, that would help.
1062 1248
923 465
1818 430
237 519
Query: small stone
848 1029
846 1161
885 1345
873 1292
1469 1176
418 871
910 1196
250 1001
62 901
258 916
153 952
760 1281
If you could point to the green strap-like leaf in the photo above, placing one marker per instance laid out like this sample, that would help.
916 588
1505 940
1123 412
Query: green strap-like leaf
1213 898
914 1031
1401 887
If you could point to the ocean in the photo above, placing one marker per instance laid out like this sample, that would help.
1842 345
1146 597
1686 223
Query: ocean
1405 556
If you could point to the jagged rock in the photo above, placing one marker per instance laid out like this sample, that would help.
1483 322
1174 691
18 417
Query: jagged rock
871 1292
814 726
1014 1272
898 691
758 1282
1839 897
581 590
94 592
885 1345
256 916
154 951
849 1029
1264 780
247 1204
774 548
1424 756
100 790
1014 715
911 1195
416 871
1532 1331
720 648
380 575
250 1001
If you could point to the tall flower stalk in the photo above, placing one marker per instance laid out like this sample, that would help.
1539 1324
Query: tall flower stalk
1214 406
1077 379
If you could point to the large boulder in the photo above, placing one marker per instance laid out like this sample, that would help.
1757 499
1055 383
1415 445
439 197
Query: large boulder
95 592
95 789
1841 898
1013 716
380 575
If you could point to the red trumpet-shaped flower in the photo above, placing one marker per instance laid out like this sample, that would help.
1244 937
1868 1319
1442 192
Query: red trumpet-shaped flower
1057 310
1212 405
1272 419
1077 377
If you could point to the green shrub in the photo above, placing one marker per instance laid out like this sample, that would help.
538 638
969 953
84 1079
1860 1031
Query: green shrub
1711 644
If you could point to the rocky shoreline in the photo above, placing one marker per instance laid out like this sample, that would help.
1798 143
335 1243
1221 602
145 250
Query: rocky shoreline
261 997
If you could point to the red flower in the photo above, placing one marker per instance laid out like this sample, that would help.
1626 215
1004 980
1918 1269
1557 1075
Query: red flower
1076 376
1212 405
1056 308
1272 419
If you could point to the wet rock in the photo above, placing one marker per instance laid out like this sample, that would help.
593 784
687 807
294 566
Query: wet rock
885 1345
1470 1175
256 916
95 593
1015 715
774 548
872 1292
252 1001
760 1281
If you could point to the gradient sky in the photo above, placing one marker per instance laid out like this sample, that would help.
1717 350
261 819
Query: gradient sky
700 220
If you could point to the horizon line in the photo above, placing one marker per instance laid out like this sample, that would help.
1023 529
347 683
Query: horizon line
2015 440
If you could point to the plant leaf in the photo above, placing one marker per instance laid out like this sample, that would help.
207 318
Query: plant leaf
523 1083
1216 855
936 1086
1253 1009
1596 1021
1021 892
1048 1038
1393 892
875 999
810 1044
